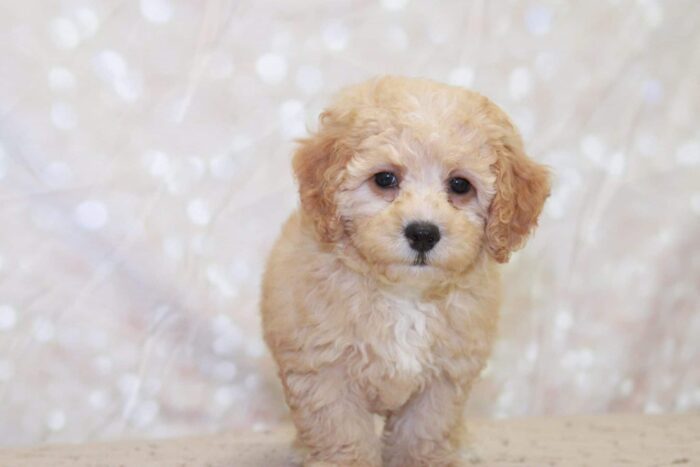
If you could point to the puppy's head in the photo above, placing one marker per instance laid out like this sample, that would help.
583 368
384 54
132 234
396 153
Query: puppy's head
416 176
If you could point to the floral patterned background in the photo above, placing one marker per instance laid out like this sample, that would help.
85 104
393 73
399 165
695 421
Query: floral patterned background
144 173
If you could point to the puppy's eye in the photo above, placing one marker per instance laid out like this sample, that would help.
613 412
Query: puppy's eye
386 180
460 185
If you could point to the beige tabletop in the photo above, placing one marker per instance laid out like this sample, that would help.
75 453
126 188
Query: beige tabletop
606 440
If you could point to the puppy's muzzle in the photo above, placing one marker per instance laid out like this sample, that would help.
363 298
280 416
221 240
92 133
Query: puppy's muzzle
422 236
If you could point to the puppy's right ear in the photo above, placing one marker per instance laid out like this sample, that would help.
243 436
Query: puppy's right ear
319 164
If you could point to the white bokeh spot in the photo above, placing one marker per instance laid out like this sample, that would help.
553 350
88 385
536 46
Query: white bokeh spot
43 330
7 370
394 5
461 76
688 154
335 35
56 420
538 19
292 118
57 174
520 83
271 68
156 11
8 317
64 33
87 21
198 211
63 116
594 149
91 214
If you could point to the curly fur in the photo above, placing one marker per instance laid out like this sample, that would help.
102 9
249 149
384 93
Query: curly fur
354 325
522 187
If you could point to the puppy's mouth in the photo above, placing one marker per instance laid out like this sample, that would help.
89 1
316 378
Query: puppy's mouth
421 259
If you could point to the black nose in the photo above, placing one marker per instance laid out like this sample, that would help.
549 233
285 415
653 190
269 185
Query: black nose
422 236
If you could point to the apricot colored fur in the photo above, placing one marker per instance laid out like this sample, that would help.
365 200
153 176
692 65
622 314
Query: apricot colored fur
354 326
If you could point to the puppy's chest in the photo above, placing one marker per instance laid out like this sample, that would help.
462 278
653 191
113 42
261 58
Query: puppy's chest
397 340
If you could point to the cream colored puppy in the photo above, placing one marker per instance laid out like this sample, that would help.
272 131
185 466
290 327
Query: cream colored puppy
381 294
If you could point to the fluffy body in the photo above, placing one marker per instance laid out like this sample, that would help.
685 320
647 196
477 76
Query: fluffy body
356 326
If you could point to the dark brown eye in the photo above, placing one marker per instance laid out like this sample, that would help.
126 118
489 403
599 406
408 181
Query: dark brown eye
386 180
460 185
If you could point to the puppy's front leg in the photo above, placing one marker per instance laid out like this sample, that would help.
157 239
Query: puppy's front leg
426 432
332 421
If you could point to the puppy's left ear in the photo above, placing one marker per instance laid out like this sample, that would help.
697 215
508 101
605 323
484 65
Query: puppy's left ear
522 186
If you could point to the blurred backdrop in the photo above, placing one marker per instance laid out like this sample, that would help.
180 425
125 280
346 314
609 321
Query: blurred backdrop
144 173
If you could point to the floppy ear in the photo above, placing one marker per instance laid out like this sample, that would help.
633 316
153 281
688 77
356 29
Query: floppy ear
319 165
522 186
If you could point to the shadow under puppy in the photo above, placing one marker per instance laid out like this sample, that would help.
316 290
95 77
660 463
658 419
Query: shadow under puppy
381 294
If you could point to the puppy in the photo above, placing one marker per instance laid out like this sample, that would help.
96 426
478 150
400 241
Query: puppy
381 294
